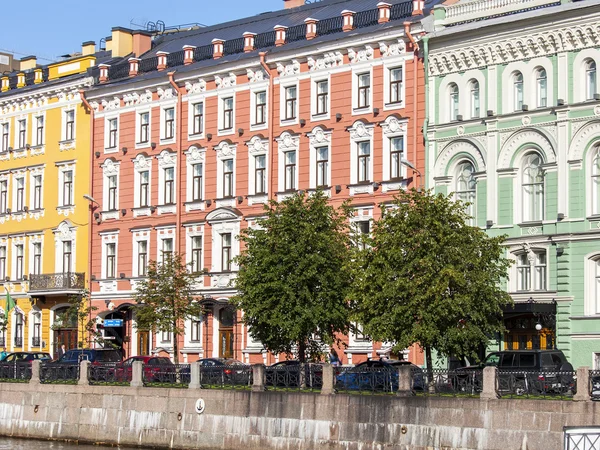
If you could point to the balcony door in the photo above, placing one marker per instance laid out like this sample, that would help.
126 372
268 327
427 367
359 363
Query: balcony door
226 334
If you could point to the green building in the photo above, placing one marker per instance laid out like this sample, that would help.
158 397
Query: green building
513 126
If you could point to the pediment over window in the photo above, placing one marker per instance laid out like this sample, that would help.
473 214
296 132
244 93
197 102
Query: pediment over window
223 214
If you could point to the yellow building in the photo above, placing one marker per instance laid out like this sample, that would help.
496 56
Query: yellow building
44 218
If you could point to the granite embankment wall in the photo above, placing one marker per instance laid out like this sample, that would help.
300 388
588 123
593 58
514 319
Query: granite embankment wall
167 418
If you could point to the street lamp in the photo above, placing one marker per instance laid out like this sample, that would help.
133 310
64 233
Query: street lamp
413 167
90 199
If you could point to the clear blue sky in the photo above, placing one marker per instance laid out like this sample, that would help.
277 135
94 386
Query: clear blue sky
48 28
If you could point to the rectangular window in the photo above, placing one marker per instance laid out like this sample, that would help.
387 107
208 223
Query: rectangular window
18 330
37 258
20 185
226 252
197 172
112 192
322 166
290 171
396 149
5 133
144 188
396 85
144 136
228 178
37 331
195 331
112 133
364 90
290 102
363 230
142 249
67 188
3 196
169 186
523 273
260 99
2 263
22 133
198 118
169 123
19 262
165 336
227 113
364 160
39 130
196 254
167 249
322 97
67 248
111 268
70 125
260 179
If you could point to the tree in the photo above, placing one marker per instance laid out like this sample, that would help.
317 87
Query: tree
79 315
165 298
294 275
430 278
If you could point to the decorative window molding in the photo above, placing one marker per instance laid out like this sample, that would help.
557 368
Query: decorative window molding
68 129
65 241
165 241
320 95
361 133
226 173
362 90
66 187
394 153
579 74
141 252
289 102
110 251
110 189
167 182
18 257
223 221
259 107
258 171
195 179
168 123
36 253
531 269
196 117
39 134
194 249
592 285
143 128
111 133
226 113
320 159
142 190
394 82
287 143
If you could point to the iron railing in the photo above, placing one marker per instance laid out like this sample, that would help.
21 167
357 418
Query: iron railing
401 10
296 33
18 341
233 46
176 58
35 341
226 377
582 438
2 341
366 18
536 384
59 373
204 52
19 372
264 40
56 281
148 64
166 375
305 377
330 26
108 373
118 71
366 380
447 382
595 384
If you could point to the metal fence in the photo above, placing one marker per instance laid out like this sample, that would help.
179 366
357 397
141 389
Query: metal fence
226 377
365 380
59 373
296 377
536 384
443 382
582 438
109 373
595 384
19 372
166 375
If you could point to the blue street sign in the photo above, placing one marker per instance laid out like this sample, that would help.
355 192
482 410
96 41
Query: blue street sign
113 322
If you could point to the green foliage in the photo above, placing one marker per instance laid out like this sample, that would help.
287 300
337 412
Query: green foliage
165 298
294 275
79 315
429 278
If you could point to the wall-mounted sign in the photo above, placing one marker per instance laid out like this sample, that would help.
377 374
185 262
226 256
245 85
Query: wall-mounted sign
113 323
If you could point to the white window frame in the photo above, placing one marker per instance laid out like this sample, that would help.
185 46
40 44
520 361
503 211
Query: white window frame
5 176
63 127
472 209
109 238
392 128
318 138
141 163
62 168
257 146
110 168
191 102
538 87
63 233
314 81
515 90
18 121
195 155
194 231
523 202
17 241
19 175
589 95
138 127
139 235
163 117
167 160
358 70
283 104
388 66
592 285
253 91
285 143
33 240
474 102
36 117
360 131
531 253
220 110
163 233
453 102
225 151
3 124
218 229
107 120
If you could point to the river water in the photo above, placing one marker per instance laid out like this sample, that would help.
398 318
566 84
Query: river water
25 444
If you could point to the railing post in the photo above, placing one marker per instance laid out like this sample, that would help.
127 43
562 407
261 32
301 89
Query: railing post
489 383
258 378
583 385
35 372
404 381
83 372
194 376
327 388
136 374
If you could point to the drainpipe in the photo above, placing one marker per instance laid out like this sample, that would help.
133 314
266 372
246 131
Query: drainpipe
91 217
426 121
262 56
415 91
179 158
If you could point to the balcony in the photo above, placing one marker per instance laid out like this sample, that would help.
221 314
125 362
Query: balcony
56 283
35 341
18 341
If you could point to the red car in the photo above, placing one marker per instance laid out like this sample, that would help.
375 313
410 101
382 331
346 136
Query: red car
156 369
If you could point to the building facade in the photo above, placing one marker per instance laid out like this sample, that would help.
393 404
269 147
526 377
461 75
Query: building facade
513 128
193 138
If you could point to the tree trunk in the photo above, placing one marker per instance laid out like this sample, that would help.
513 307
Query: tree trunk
175 342
302 352
429 360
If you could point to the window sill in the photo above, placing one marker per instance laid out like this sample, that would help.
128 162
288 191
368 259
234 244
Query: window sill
395 105
225 132
141 145
37 149
258 199
141 211
167 141
287 122
65 210
66 145
170 208
533 223
110 215
196 205
361 188
320 117
111 150
196 136
363 110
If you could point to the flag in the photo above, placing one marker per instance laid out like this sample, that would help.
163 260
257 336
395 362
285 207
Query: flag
10 303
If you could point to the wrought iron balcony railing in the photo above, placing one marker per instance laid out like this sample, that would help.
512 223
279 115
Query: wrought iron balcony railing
56 281
35 341
18 341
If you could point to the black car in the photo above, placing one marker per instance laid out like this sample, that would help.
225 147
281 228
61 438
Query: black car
224 371
289 374
93 355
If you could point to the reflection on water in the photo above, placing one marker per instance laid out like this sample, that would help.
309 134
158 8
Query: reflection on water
24 444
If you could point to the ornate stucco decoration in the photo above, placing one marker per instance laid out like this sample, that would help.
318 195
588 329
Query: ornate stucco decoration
64 232
360 131
293 68
288 141
319 137
365 54
393 125
108 105
526 137
141 162
392 49
110 167
225 149
464 147
257 145
255 76
195 154
328 61
195 87
138 98
225 81
586 134
165 94
166 159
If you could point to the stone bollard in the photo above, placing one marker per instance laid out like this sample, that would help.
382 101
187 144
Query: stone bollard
35 371
583 385
405 381
83 372
194 376
136 374
489 383
258 378
327 387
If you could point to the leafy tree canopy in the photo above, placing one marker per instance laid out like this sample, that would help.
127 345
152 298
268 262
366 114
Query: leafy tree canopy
430 278
294 275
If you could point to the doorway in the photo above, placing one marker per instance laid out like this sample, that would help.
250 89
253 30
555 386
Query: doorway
143 342
226 335
65 331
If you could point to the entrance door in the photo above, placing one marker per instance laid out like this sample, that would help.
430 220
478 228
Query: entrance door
226 343
66 336
143 343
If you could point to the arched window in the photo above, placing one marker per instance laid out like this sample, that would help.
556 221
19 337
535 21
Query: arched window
518 90
533 187
475 108
596 181
542 88
466 187
590 79
596 303
453 102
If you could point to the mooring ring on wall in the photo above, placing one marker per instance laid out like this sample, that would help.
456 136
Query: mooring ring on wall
36 408
200 406
179 416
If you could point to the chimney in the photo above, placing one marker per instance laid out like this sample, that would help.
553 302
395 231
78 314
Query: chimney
122 42
217 48
348 20
162 60
311 28
280 34
108 44
20 80
134 66
418 6
88 48
5 84
103 72
29 62
292 3
188 54
384 12
249 41
39 76
142 42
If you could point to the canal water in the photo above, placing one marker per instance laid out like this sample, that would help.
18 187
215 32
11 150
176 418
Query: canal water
25 444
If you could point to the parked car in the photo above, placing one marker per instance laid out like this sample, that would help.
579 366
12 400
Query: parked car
225 371
94 355
595 383
288 374
156 369
17 365
377 375
26 356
